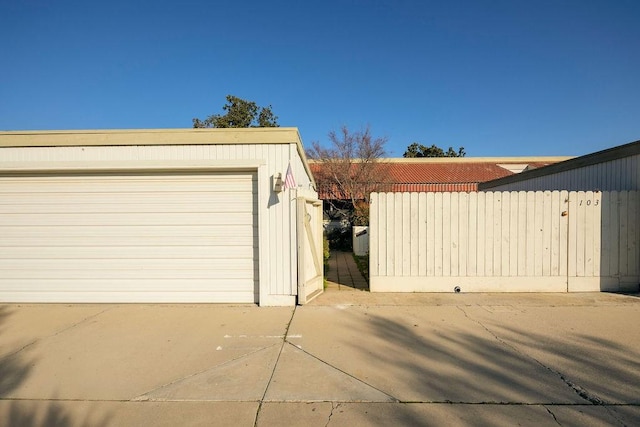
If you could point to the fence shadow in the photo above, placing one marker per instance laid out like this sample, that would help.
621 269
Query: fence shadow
504 365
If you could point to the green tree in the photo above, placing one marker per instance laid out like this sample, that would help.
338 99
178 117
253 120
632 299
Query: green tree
419 150
240 113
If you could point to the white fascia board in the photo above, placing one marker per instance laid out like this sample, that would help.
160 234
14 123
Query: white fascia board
68 138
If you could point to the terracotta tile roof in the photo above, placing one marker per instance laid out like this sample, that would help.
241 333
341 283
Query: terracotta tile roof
445 174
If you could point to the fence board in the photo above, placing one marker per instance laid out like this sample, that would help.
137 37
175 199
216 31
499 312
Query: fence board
614 236
374 237
505 255
446 234
624 233
513 234
396 221
472 231
431 232
538 254
497 234
488 241
390 233
437 249
413 235
463 233
546 233
530 238
405 247
522 233
481 234
422 234
554 243
563 242
589 228
454 226
597 236
634 235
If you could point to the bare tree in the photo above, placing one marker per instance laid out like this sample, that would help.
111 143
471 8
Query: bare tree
349 170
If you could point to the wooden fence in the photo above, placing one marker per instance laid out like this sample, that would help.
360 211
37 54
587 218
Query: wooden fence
551 241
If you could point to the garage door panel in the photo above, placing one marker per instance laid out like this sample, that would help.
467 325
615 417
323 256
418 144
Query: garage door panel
133 238
132 218
126 184
126 198
74 274
125 231
162 266
111 252
207 205
109 241
130 297
132 285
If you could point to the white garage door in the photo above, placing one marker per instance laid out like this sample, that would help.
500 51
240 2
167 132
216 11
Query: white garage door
165 237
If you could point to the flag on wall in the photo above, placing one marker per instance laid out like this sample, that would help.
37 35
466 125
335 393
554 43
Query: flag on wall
289 182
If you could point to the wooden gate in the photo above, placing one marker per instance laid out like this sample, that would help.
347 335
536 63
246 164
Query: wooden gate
310 265
545 241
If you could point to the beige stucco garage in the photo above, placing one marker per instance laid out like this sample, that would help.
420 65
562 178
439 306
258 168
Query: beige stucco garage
151 216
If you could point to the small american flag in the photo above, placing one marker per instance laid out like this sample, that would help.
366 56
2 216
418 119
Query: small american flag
289 182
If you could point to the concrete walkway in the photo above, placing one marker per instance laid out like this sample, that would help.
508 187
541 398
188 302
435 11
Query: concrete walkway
349 358
343 273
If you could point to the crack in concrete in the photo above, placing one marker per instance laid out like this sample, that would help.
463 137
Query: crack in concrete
333 408
580 391
275 365
394 399
24 347
552 414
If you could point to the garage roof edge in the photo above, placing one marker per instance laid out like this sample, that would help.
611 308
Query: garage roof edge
62 138
125 137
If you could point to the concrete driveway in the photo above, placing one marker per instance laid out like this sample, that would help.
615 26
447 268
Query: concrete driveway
349 358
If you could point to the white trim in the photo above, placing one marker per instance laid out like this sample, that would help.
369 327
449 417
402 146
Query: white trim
264 261
133 165
278 301
97 137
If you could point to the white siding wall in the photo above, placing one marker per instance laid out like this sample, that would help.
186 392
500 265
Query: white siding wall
615 175
505 241
279 236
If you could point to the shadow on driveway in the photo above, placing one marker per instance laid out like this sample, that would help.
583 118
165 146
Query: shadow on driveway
14 369
569 375
484 365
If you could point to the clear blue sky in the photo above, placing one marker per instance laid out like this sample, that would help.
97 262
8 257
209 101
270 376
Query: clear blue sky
499 77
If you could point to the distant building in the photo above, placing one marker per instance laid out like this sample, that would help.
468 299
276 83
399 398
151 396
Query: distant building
614 169
439 174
